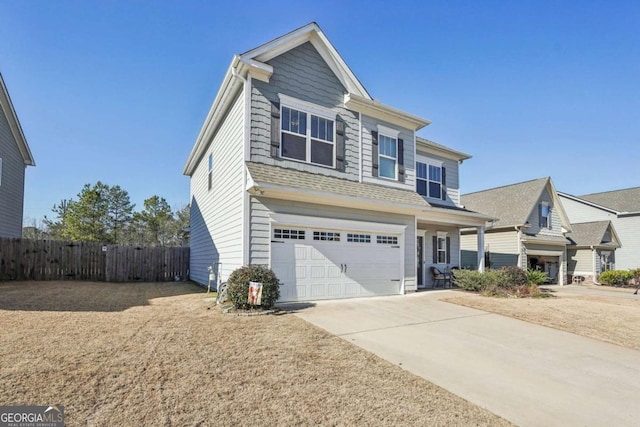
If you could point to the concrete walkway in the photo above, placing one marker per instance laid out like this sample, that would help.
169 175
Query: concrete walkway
528 374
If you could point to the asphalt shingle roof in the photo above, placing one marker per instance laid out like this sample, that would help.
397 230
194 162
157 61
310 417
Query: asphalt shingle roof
589 233
286 177
627 200
511 204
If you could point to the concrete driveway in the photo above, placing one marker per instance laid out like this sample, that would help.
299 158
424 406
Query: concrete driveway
531 375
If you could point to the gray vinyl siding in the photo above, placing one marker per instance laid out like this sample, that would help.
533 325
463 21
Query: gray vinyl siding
534 218
580 262
217 214
11 182
260 239
580 212
370 124
453 177
302 73
502 247
627 228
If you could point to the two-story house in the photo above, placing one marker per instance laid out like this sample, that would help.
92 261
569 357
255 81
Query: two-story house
298 168
622 209
529 230
15 156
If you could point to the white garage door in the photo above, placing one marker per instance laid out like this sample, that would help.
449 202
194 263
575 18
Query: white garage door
316 264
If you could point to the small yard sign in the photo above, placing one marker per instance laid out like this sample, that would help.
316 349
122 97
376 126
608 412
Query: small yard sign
255 293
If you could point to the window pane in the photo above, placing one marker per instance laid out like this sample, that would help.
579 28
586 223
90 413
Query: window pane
286 114
322 153
421 187
421 170
387 168
314 126
387 146
294 147
329 130
434 190
435 174
322 131
302 117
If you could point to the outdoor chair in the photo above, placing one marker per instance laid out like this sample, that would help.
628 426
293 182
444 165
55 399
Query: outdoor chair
439 277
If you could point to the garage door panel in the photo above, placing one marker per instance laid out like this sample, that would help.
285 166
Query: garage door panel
329 269
318 290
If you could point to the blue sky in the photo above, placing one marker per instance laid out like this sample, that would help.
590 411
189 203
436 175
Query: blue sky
117 90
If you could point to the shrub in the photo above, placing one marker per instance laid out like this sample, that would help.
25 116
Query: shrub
469 280
238 286
536 277
511 277
508 281
616 277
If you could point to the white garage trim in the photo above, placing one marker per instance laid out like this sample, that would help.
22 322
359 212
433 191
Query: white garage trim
338 224
544 253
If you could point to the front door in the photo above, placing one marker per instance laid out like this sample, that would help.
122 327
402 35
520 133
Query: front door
420 260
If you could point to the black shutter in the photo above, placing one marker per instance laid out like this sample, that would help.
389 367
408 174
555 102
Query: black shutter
444 183
435 249
374 153
400 160
340 146
275 129
448 250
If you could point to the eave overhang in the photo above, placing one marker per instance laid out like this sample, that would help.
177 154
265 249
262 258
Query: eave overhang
383 112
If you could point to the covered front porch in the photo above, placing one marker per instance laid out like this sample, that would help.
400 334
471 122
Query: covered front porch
438 245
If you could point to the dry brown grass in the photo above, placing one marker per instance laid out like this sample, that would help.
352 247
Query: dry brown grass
610 319
154 354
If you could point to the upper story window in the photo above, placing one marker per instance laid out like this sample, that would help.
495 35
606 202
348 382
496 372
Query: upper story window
544 210
388 153
307 132
430 180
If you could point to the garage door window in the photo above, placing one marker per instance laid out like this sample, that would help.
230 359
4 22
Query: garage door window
329 236
358 238
387 240
283 233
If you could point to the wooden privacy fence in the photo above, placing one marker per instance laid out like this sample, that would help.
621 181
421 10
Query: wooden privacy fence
23 259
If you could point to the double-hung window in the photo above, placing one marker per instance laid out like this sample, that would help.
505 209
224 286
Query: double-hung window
545 215
308 132
430 180
441 249
388 156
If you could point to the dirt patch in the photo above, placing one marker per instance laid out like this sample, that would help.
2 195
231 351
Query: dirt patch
610 319
157 354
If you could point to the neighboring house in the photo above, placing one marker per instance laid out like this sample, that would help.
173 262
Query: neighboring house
529 231
15 156
298 168
622 208
592 249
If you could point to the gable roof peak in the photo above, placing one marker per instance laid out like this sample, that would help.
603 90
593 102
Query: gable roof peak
509 185
313 34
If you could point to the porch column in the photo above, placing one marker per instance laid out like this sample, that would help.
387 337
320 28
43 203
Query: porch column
481 249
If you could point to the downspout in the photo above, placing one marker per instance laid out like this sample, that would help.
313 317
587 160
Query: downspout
246 156
361 160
